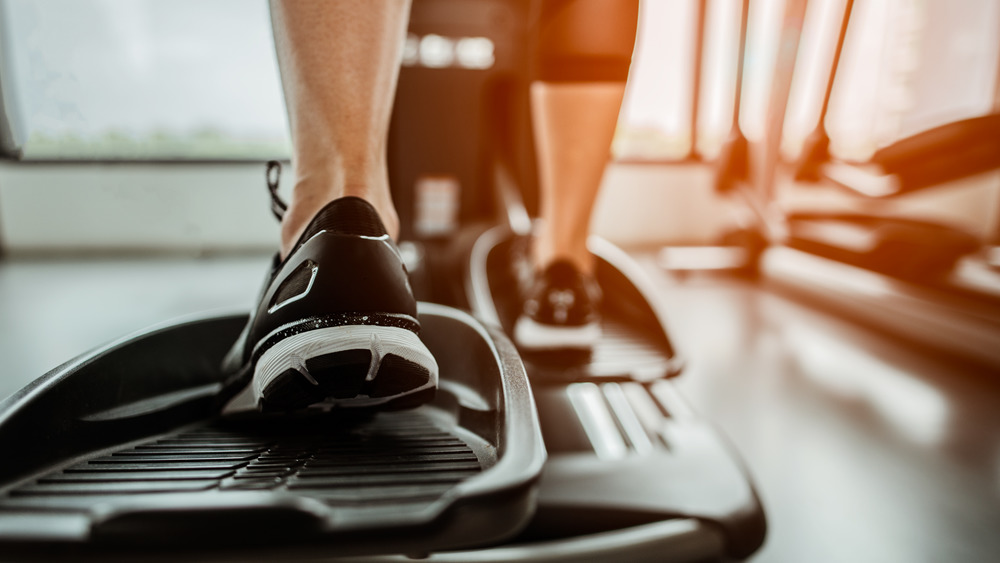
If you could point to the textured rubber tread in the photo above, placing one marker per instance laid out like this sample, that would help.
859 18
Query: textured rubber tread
289 391
343 376
354 366
340 375
397 375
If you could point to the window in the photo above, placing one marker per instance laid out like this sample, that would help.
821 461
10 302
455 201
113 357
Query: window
907 66
655 121
145 79
150 79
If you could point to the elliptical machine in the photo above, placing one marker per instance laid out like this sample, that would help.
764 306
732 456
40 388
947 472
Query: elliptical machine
632 472
614 425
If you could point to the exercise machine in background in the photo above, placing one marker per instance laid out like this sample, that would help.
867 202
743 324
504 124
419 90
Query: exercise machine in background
930 281
516 458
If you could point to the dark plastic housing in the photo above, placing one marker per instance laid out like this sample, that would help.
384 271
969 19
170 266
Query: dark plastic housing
628 458
122 452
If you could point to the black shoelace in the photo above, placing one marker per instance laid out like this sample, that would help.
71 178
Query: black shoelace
273 175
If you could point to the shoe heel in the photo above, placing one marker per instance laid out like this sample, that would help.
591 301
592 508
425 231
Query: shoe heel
340 372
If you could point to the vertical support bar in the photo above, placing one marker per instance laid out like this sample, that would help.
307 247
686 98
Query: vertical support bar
788 47
11 134
733 166
699 50
994 237
815 149
740 61
835 65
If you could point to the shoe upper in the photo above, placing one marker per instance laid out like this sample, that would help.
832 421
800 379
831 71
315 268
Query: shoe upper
562 296
344 269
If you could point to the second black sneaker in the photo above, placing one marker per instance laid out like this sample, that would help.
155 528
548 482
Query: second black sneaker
560 311
336 323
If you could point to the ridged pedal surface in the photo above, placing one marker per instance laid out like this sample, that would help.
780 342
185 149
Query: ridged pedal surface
401 457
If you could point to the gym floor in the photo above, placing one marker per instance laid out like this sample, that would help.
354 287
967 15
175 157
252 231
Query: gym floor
863 448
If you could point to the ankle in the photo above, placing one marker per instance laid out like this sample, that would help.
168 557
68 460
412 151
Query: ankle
544 254
307 202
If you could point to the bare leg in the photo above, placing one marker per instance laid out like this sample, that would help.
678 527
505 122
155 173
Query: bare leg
583 50
574 124
339 63
337 319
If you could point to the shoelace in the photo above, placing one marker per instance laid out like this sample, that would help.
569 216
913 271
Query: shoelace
278 206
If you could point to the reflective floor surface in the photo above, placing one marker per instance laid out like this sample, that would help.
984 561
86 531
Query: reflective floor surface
863 448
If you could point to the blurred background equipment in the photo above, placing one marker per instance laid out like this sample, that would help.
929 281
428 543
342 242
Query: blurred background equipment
839 157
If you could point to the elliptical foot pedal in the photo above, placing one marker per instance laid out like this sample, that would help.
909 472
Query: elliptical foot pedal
633 343
124 451
633 472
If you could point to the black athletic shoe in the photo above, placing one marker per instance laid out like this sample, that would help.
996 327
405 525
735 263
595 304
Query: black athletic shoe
560 311
337 321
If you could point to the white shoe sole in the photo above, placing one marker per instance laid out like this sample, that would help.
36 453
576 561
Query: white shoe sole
382 342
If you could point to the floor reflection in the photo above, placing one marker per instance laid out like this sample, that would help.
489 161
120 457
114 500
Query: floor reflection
864 448
913 408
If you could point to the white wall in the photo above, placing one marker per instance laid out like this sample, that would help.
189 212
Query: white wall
197 208
204 208
135 208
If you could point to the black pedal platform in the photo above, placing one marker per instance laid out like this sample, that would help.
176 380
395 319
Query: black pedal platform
634 345
122 453
633 474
